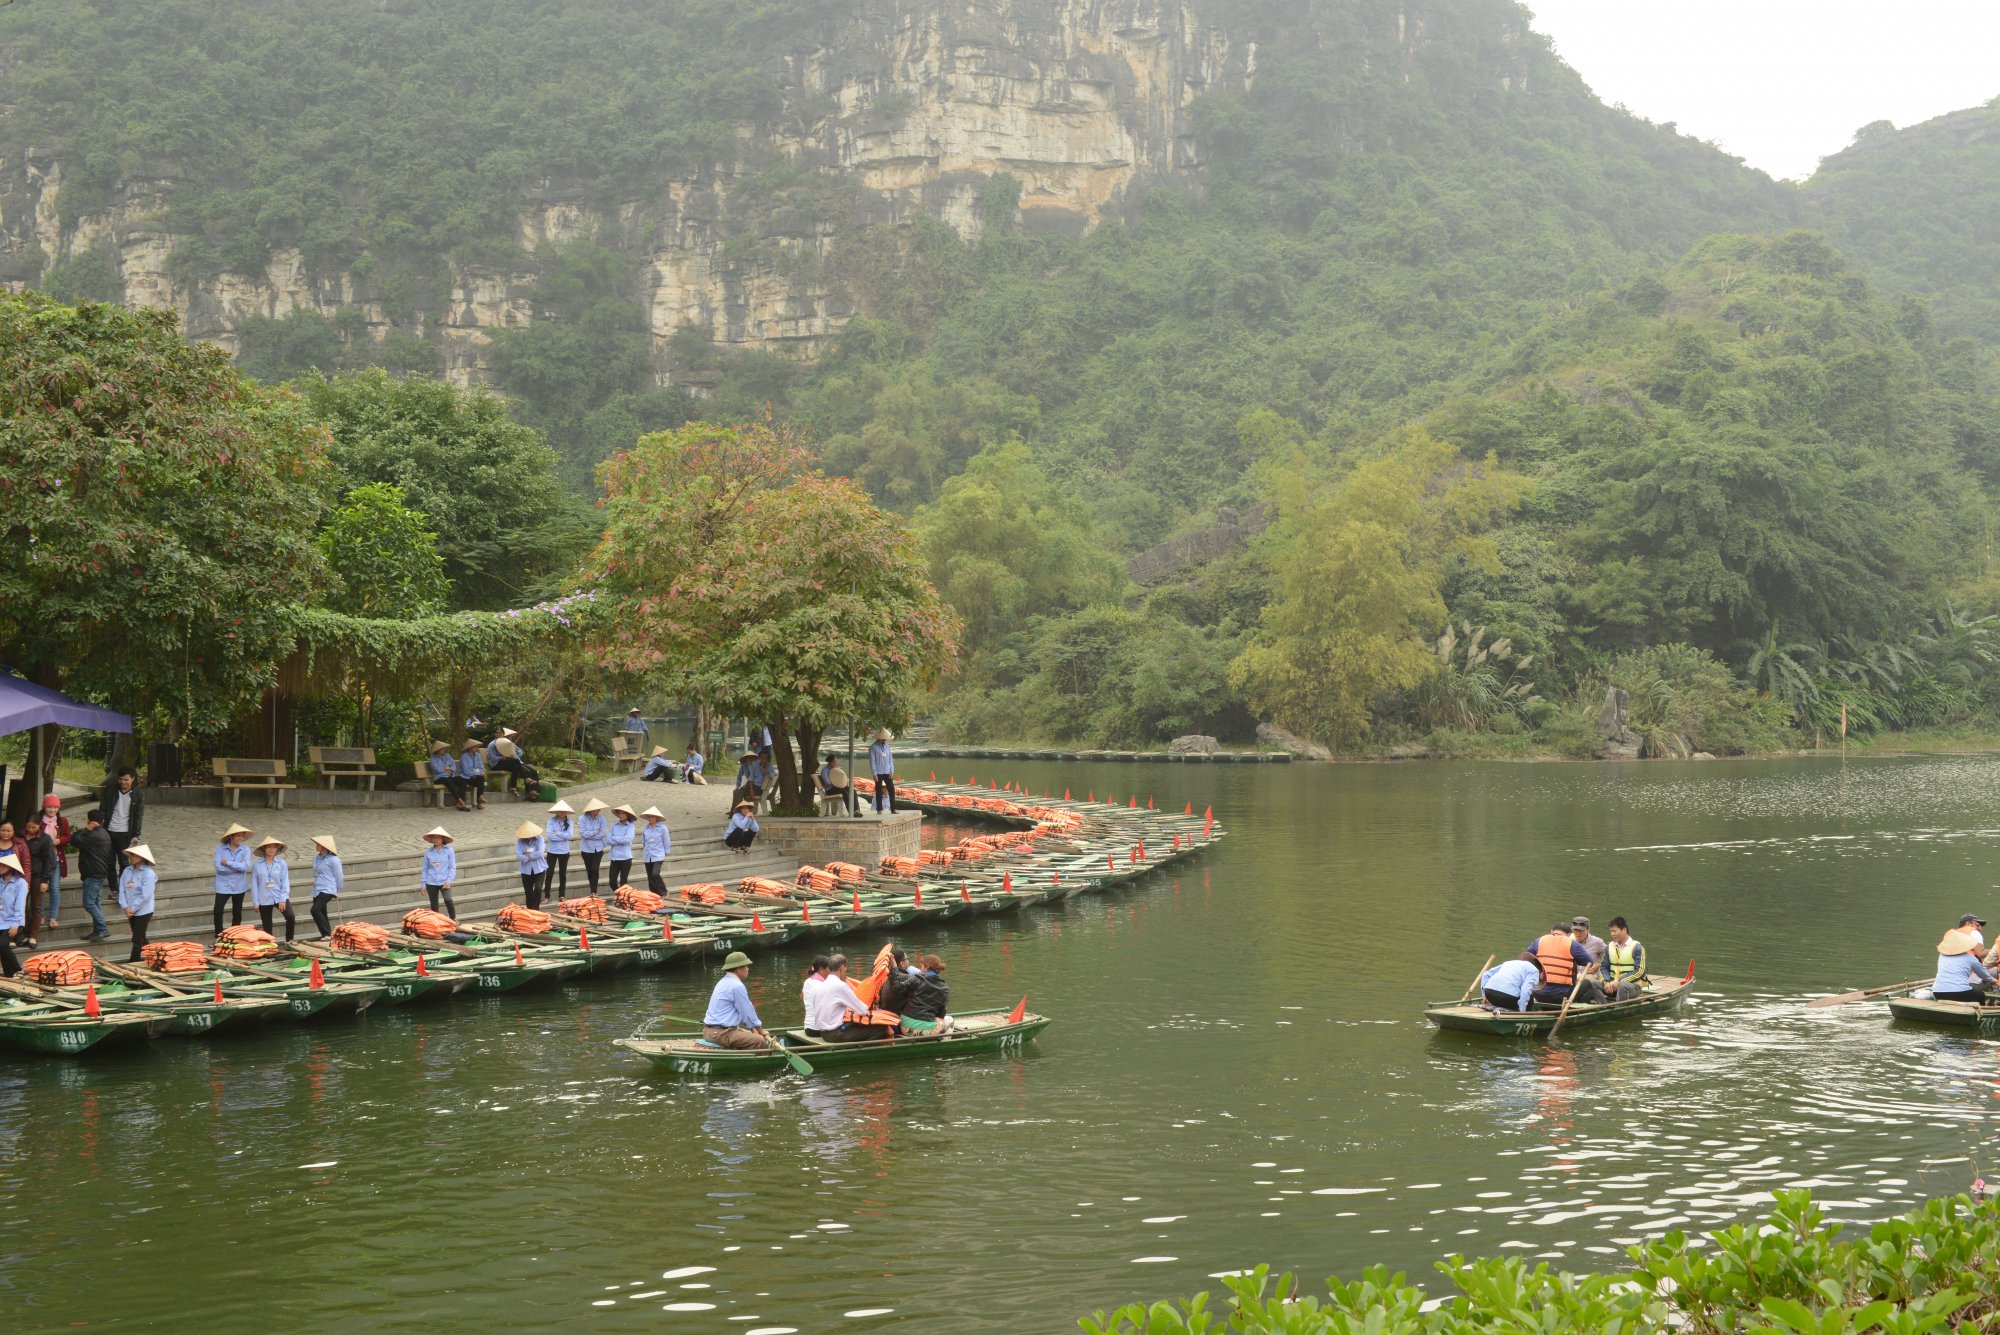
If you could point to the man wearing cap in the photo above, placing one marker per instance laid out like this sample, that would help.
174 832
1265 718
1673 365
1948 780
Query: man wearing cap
329 879
135 896
1579 927
731 1021
472 771
444 773
13 911
1970 924
1960 975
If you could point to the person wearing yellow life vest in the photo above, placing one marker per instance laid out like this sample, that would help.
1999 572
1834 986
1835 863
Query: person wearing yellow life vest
1624 963
1564 961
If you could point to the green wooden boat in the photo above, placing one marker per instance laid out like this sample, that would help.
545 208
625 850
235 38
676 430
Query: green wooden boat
604 956
395 970
1957 1014
189 1012
1661 997
61 1029
303 1001
684 1053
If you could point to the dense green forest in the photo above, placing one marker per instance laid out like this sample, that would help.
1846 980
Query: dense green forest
1535 397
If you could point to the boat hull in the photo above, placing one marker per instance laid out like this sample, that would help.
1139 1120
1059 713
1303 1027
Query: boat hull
981 1032
1475 1019
1955 1014
48 1031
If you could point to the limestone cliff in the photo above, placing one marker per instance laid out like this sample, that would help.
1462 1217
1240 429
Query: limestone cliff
903 108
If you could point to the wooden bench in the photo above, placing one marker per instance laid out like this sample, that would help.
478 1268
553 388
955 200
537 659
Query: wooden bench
346 762
265 775
423 773
628 748
572 771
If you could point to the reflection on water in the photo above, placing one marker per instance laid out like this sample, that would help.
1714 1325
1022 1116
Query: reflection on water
1238 1073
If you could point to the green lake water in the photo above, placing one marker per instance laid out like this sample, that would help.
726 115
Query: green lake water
1237 1073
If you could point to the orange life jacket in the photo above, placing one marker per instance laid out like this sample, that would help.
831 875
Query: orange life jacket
1558 969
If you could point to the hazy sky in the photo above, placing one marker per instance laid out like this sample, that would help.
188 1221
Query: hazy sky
1781 83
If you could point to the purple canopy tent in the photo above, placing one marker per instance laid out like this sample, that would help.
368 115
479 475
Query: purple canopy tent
24 705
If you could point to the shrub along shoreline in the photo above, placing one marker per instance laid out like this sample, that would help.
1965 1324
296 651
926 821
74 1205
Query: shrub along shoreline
1937 1269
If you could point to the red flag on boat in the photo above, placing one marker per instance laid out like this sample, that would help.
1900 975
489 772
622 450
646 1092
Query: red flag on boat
1142 850
583 938
517 954
805 911
90 1006
422 972
933 776
1149 801
1055 878
756 921
1020 1010
1007 883
920 895
1177 841
1134 802
1188 810
667 928
857 901
218 989
964 894
315 978
1065 794
1092 797
1109 865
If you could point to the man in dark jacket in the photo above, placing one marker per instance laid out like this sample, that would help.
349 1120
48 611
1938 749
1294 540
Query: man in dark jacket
97 864
124 808
930 996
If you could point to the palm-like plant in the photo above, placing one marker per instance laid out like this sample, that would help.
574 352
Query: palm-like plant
1476 681
1783 669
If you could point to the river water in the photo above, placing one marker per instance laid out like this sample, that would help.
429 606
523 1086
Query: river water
1237 1073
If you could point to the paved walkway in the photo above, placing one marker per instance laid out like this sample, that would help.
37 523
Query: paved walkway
183 839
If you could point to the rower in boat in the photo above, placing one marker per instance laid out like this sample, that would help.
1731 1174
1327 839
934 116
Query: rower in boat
1960 975
1624 963
1564 962
1512 985
730 1020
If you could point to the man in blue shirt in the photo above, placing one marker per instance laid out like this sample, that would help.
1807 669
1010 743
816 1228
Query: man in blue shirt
882 767
1511 986
731 1021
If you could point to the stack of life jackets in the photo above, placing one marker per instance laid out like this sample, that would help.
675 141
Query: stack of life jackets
519 918
590 909
905 868
763 885
817 879
429 924
848 871
637 901
706 892
180 956
245 943
361 936
60 968
934 857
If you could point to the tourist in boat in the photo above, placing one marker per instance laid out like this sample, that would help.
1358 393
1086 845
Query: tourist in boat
930 999
591 833
557 837
271 884
13 911
658 769
1564 962
832 1007
692 764
329 879
730 1020
135 895
1512 985
232 875
618 844
743 830
864 1017
655 843
810 989
1579 927
533 856
1960 975
1624 963
882 768
444 774
834 783
898 983
440 870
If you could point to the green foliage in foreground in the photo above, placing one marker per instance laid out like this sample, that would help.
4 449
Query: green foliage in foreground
1935 1270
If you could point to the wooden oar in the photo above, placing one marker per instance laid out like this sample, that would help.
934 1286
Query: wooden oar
132 975
1574 988
1863 996
35 992
426 943
1475 979
796 1062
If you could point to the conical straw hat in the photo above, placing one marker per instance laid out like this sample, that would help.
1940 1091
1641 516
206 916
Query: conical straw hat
262 844
235 829
654 811
141 852
527 829
562 808
594 805
439 833
325 841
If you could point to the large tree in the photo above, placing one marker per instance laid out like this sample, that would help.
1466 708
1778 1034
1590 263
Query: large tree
733 573
158 513
487 484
